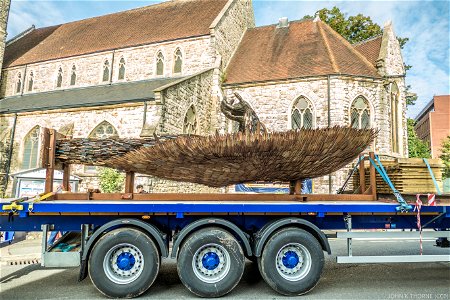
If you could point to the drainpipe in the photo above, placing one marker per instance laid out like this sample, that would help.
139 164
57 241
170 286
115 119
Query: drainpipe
144 118
329 124
24 80
11 145
112 67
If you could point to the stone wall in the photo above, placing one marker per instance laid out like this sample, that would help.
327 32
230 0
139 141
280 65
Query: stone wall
273 103
4 12
390 61
140 64
228 31
178 98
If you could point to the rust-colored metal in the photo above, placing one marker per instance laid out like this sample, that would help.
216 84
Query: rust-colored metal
362 175
215 197
50 135
373 179
129 182
66 177
298 187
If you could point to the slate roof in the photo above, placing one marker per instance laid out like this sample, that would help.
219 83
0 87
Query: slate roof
99 95
304 48
155 23
370 48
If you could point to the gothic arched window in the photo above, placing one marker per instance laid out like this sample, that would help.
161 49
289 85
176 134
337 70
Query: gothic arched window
360 113
102 131
30 82
19 83
160 64
394 117
178 61
122 68
31 149
302 116
73 76
106 70
190 121
59 78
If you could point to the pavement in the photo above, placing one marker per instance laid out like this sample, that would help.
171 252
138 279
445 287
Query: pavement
22 252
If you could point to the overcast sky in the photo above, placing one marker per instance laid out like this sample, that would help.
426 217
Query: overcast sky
425 23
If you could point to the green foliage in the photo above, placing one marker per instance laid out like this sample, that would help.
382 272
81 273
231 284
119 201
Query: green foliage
356 29
445 156
111 180
410 97
416 147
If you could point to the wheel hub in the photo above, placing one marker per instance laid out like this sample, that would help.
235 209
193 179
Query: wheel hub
210 260
293 261
290 259
211 263
125 261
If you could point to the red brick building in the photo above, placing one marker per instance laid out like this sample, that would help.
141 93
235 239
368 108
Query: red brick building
433 123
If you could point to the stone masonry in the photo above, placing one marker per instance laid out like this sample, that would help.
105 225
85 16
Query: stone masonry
204 60
4 12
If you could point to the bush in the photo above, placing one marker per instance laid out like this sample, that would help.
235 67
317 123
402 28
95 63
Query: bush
111 180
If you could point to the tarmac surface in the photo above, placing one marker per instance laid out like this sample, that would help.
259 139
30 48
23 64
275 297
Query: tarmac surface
339 281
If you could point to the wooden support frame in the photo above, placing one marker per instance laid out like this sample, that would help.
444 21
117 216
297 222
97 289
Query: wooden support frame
66 177
48 157
129 182
362 174
373 178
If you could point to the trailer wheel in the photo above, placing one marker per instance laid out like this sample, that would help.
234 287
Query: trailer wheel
210 262
292 261
124 263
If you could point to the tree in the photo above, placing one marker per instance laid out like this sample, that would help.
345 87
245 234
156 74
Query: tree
445 156
354 28
111 180
416 147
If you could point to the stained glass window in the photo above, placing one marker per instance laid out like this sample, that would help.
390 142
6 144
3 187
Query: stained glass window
30 82
160 64
19 83
302 114
122 69
73 76
190 121
59 78
178 58
106 70
360 113
30 149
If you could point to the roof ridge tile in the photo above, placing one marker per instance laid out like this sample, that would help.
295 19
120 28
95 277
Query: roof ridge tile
329 50
349 46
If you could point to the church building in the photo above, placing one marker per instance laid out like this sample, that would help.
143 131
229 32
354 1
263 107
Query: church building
165 68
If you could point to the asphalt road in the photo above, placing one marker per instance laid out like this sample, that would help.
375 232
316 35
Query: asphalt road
363 281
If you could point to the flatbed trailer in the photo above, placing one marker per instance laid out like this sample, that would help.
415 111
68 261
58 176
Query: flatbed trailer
122 238
122 242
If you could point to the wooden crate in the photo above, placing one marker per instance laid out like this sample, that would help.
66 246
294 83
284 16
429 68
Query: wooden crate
409 176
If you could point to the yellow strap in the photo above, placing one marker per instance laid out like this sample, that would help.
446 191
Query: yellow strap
13 206
45 196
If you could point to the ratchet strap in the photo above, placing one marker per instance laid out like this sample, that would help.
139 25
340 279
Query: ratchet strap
404 206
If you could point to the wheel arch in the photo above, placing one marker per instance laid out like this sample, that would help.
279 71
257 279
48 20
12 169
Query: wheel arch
217 222
263 235
153 232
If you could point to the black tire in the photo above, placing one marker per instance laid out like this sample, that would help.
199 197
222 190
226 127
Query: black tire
118 239
191 252
300 281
